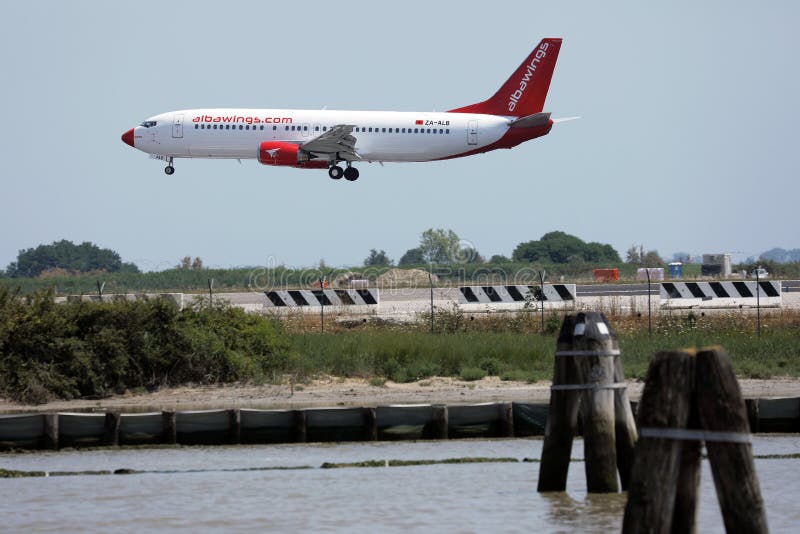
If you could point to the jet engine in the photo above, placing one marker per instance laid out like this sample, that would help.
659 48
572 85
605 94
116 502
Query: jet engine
289 154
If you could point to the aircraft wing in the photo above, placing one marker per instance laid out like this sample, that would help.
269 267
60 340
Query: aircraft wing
336 140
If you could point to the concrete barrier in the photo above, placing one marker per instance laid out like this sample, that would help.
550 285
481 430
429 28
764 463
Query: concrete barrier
725 294
516 294
321 297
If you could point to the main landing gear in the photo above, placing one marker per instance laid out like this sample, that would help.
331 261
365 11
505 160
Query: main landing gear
169 169
335 172
350 173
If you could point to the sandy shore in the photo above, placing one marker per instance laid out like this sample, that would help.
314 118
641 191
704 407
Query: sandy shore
332 392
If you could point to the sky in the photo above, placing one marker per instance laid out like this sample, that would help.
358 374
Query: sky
687 142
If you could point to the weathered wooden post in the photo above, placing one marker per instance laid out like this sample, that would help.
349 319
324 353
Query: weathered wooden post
370 424
562 419
111 429
169 427
723 417
624 424
506 416
50 438
684 515
665 404
689 400
234 426
587 370
594 351
752 415
440 421
300 431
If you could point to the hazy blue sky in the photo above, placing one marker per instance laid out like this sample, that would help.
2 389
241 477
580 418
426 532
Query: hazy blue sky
688 140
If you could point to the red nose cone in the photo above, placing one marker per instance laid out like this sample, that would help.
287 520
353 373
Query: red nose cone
127 137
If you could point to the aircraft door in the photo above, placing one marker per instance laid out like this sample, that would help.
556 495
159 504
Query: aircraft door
472 133
306 130
177 125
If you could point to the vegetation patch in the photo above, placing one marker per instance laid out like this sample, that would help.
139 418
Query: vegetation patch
93 349
406 463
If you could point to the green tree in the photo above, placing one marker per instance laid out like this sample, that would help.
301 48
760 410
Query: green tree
469 254
499 258
439 245
632 255
66 255
652 259
412 257
377 259
560 247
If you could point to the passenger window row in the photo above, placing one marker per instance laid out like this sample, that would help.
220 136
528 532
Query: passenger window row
304 128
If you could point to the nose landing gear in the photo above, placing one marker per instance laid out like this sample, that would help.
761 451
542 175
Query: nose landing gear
169 169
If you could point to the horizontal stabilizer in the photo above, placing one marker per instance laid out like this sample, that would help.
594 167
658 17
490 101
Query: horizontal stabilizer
565 119
529 121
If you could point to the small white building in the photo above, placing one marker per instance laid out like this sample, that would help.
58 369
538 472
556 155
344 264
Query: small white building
716 265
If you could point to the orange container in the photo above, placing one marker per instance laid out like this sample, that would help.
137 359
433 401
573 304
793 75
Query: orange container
606 275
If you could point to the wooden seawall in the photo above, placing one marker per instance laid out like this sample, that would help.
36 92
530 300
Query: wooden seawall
250 426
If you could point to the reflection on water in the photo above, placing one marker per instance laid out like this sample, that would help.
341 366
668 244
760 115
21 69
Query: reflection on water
451 498
596 511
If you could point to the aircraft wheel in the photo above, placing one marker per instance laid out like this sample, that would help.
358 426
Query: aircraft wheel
351 174
335 172
169 170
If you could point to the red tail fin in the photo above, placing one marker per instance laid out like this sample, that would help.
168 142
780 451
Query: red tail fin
524 92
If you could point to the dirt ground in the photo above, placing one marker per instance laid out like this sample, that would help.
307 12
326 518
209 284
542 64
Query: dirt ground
332 392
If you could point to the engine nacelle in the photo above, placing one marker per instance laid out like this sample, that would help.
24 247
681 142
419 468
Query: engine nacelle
289 154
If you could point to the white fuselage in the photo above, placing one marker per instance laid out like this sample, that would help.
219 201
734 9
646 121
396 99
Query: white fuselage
380 135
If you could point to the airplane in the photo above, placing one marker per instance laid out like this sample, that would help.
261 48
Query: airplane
322 139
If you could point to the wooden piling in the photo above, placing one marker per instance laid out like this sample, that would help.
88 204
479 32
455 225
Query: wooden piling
562 419
440 421
665 404
596 370
169 432
111 429
684 515
370 424
625 434
722 409
299 428
506 417
234 426
50 437
752 414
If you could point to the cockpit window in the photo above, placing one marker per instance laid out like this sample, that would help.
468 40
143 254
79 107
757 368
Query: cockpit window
148 124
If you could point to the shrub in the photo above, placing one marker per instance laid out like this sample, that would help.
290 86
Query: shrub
471 374
492 366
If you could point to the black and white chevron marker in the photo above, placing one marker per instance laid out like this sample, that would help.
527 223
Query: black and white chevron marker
516 293
709 291
321 297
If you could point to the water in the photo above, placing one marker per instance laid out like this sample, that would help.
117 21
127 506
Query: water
497 497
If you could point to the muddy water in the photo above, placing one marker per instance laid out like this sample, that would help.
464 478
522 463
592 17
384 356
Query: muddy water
211 488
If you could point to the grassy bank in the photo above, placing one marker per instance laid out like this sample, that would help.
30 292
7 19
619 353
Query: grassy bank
410 356
86 349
